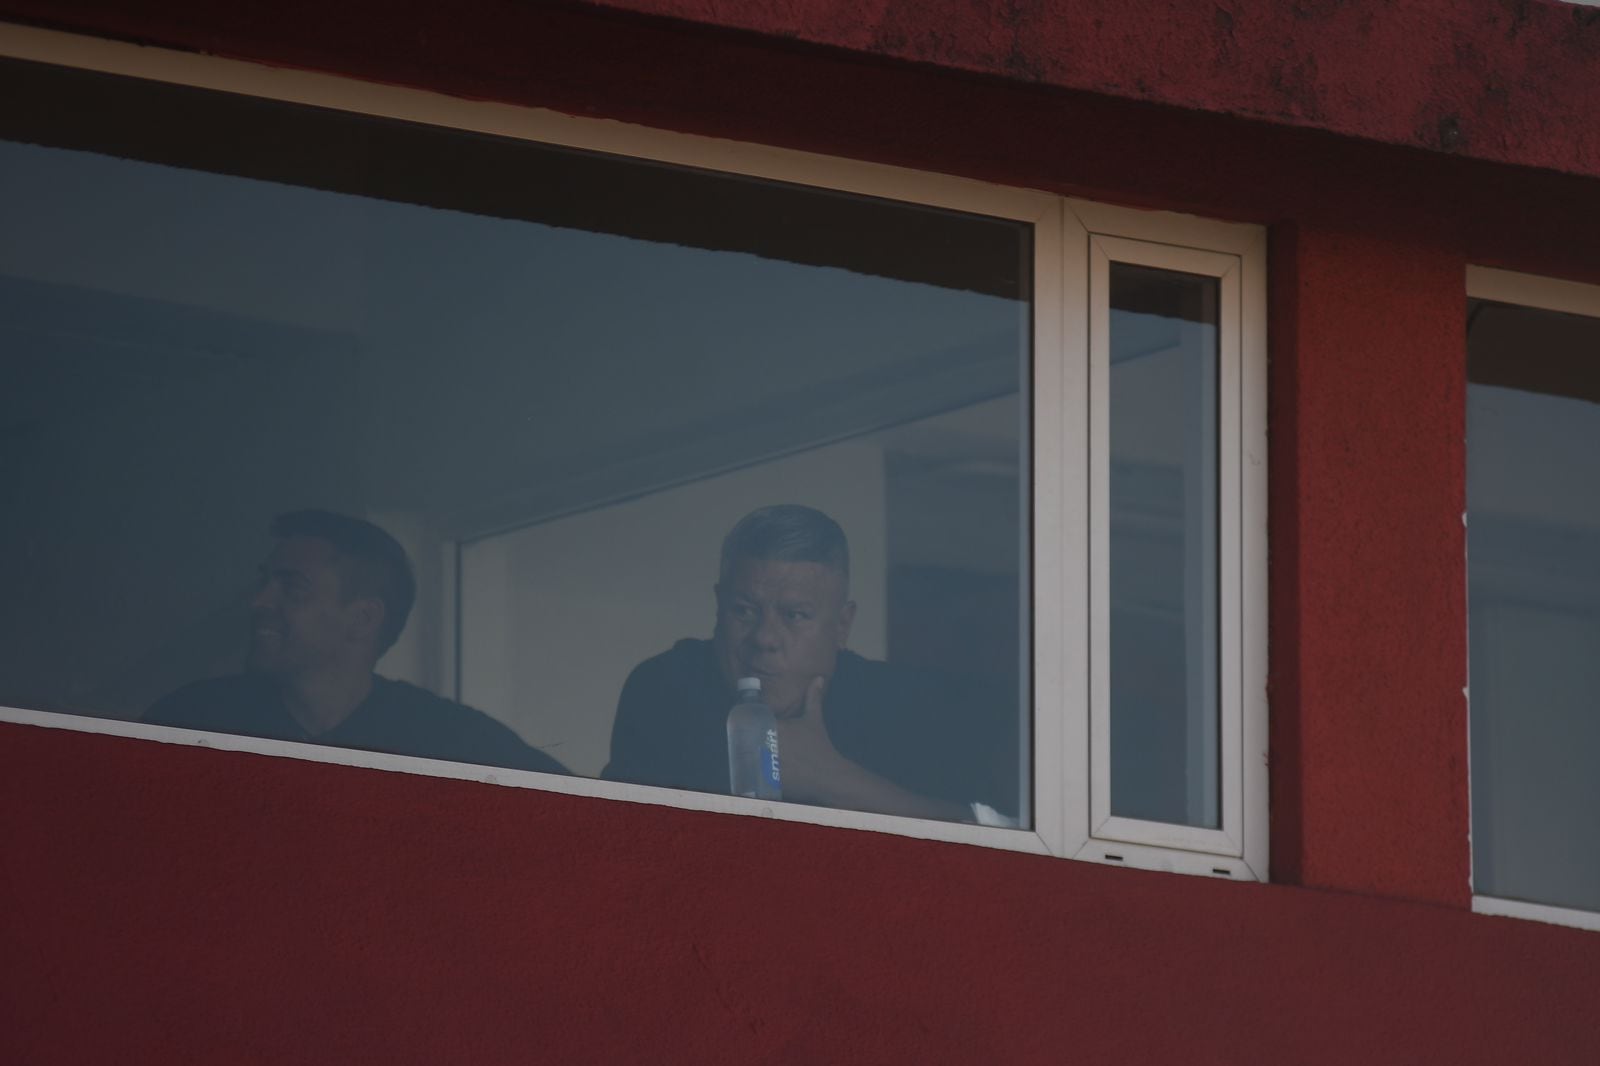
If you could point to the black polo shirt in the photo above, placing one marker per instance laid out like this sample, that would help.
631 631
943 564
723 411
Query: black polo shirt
395 717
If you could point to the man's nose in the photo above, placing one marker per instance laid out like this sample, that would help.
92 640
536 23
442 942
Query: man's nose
766 635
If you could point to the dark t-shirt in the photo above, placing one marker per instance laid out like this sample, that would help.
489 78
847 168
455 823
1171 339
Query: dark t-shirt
395 717
923 733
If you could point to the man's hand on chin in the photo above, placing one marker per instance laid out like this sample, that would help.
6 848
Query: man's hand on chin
811 765
814 771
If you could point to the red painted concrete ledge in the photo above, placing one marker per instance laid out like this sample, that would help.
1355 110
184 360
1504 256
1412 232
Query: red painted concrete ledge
1512 81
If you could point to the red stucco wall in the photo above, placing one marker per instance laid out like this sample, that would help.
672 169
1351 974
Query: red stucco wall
1370 596
176 904
167 904
1508 80
1513 81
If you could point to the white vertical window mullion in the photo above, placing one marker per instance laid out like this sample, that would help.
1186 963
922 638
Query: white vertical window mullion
1099 500
1056 657
1229 576
1251 557
1200 578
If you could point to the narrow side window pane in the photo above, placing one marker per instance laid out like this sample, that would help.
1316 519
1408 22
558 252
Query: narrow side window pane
1533 502
1163 546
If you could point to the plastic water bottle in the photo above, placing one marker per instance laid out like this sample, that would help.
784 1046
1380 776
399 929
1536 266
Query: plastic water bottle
753 745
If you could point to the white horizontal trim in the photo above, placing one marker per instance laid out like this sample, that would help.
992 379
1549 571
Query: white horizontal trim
1168 860
1160 256
954 832
1166 227
1531 290
1538 912
1167 835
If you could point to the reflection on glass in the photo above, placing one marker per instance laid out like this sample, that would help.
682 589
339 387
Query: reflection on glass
557 378
1533 517
1163 548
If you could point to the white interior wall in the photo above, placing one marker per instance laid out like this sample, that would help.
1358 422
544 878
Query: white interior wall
417 656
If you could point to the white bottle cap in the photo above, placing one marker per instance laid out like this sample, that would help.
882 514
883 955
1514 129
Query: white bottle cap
749 684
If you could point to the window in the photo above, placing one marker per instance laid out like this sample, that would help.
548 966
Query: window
1533 528
1176 460
555 363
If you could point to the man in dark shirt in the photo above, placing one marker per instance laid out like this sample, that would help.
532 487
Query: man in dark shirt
853 733
334 596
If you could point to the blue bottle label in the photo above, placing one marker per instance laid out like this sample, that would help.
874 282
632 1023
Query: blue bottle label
769 759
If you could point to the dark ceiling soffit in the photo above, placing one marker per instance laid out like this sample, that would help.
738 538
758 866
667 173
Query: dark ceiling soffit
499 177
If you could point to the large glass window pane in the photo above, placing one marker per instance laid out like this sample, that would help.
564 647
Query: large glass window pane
558 379
1163 546
1533 527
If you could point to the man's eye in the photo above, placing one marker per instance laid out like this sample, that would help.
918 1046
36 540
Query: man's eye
743 612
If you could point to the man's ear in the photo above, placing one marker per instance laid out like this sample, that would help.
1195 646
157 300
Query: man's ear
366 614
847 615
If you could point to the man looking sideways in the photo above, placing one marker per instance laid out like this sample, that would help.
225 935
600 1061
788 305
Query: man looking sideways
853 733
334 596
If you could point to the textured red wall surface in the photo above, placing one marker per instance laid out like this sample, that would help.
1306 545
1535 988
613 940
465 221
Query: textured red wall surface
1509 80
184 904
1504 80
170 904
1374 594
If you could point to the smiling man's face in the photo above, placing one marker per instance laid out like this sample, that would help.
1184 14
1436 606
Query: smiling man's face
299 619
784 622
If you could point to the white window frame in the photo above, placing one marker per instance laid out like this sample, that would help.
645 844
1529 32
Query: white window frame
1097 235
1545 294
1068 425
